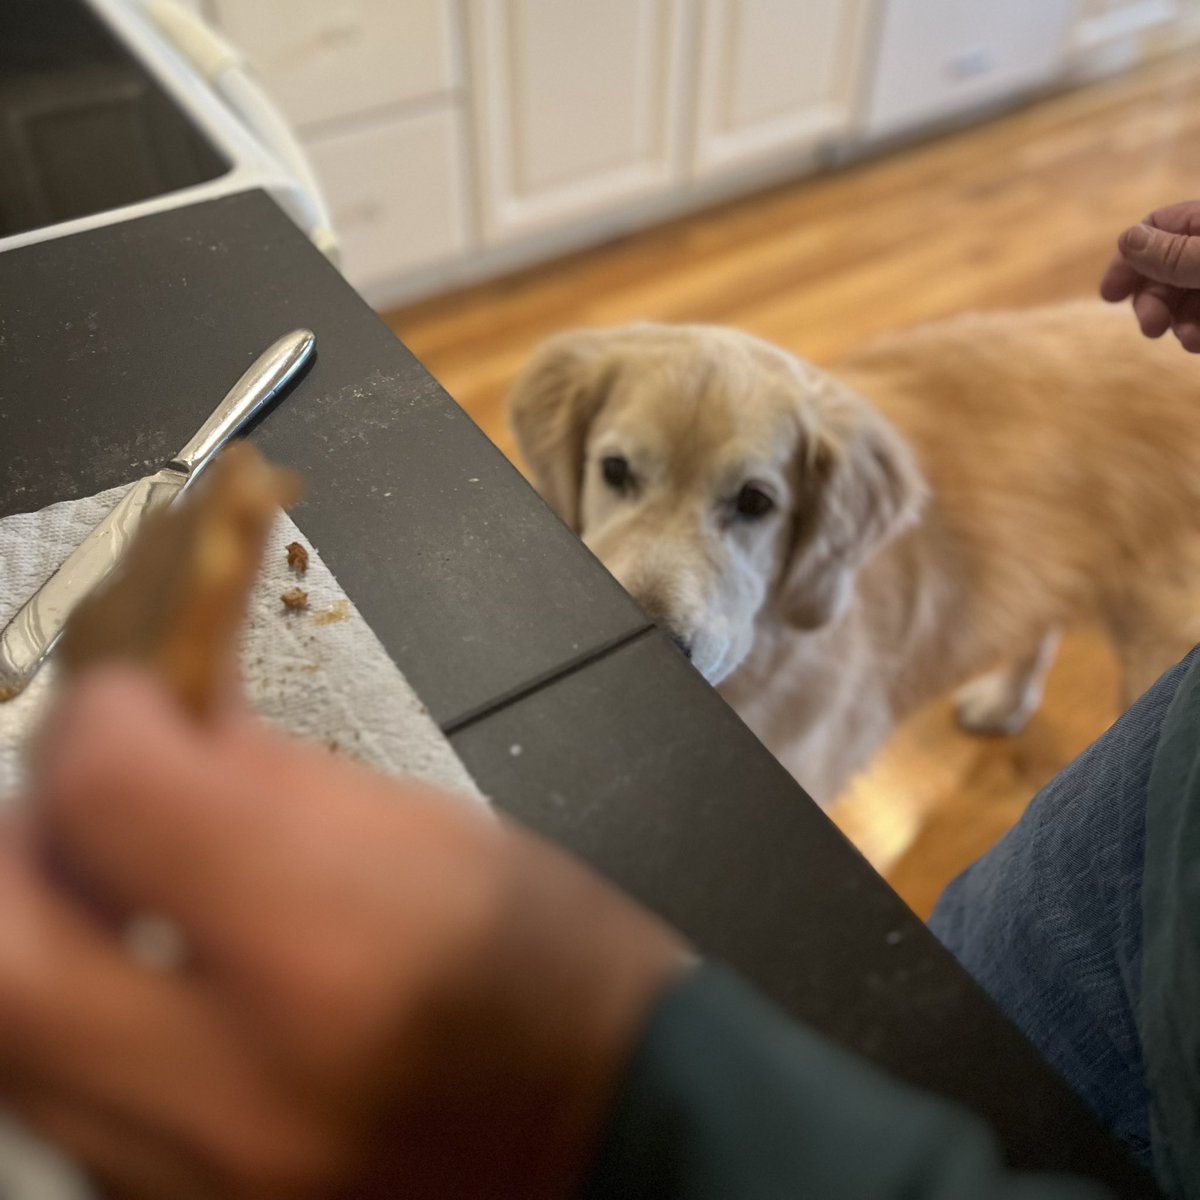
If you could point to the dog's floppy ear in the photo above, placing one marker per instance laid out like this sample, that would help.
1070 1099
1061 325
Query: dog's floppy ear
858 486
551 407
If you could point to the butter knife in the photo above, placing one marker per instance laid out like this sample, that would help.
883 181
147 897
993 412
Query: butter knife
31 634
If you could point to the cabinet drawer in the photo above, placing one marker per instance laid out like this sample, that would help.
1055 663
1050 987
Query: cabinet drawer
395 193
331 58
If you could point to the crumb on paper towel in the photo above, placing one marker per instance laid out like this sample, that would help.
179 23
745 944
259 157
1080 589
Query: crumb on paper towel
295 598
339 610
297 556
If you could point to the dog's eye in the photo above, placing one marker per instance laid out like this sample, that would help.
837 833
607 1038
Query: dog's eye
753 503
616 472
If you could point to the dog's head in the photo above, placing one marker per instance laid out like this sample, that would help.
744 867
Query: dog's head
714 475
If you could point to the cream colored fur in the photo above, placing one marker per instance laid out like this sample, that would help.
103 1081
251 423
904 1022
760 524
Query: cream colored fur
945 503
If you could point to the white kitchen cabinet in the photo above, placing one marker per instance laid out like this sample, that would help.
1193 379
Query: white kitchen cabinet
937 58
460 139
337 58
576 107
775 77
395 192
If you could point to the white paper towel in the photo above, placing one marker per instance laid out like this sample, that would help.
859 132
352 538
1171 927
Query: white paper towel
318 672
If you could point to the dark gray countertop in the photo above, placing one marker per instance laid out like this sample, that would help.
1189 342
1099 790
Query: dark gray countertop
116 344
569 709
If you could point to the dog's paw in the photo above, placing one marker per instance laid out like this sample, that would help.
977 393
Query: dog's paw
996 705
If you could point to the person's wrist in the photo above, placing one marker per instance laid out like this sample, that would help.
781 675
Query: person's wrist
602 966
532 1040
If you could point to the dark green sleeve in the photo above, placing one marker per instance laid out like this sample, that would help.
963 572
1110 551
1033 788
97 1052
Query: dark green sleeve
725 1099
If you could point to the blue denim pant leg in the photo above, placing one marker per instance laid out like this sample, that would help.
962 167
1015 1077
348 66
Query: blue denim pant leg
1049 920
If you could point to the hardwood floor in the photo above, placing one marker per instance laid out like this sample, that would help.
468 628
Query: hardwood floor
1021 210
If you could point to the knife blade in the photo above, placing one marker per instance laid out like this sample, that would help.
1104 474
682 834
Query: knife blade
32 632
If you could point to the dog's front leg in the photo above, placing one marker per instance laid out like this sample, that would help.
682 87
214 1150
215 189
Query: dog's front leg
1002 701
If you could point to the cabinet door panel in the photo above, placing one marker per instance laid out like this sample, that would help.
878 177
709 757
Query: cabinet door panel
775 77
575 106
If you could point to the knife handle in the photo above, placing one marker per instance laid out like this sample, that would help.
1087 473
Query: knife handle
270 374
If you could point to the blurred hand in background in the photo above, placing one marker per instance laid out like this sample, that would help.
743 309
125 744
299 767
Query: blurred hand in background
1158 265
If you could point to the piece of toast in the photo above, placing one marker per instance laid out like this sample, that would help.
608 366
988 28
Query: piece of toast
177 601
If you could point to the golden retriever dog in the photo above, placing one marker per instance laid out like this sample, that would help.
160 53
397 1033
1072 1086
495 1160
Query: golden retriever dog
835 549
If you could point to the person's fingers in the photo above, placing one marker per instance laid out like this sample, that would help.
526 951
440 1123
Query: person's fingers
238 834
1185 322
1170 258
50 954
284 868
1119 281
76 1012
1162 251
105 730
1183 217
143 1156
126 1159
17 834
1154 304
139 806
83 1028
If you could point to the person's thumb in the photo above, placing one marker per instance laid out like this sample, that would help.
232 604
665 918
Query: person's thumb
1171 258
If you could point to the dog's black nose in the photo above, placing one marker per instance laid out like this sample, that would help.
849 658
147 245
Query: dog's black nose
685 645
